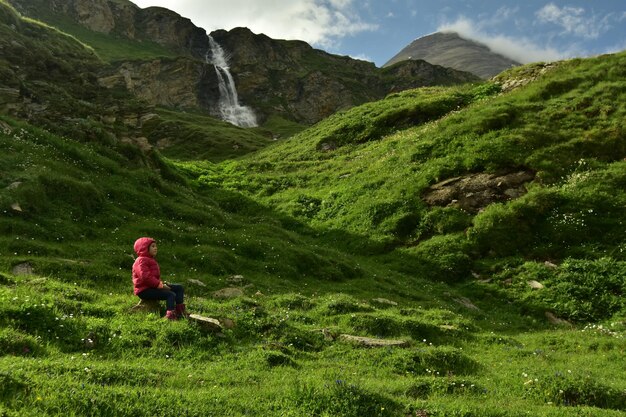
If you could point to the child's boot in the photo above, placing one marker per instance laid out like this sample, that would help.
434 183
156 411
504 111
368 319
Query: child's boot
171 315
181 312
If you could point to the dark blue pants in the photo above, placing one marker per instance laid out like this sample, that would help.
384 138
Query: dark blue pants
172 297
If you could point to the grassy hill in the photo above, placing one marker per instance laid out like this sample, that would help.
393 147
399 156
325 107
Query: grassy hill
335 232
370 169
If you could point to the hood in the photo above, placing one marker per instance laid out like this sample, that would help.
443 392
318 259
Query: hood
142 244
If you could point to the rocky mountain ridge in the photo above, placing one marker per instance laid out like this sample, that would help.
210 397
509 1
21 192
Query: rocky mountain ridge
287 78
449 49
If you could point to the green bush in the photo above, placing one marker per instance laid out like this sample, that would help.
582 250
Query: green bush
586 290
444 258
444 220
578 290
303 339
307 206
508 229
273 358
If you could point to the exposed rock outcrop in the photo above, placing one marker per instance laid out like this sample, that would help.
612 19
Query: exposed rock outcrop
371 342
123 18
177 82
169 29
24 268
474 192
524 76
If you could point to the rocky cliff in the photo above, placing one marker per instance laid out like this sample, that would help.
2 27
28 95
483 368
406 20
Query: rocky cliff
307 84
123 19
453 51
288 78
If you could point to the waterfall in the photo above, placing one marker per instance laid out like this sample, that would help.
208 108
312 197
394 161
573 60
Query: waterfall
229 107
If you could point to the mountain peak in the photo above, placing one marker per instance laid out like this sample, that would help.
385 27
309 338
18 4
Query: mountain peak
449 49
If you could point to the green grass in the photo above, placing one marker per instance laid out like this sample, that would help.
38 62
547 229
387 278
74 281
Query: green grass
365 170
319 235
189 135
115 48
193 136
276 361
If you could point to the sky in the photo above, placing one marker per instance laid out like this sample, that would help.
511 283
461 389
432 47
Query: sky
376 30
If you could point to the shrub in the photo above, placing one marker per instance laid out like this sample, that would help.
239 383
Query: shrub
303 339
422 330
273 358
587 290
307 206
506 229
578 290
444 221
444 258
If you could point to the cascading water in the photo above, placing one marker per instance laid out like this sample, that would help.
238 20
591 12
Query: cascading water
230 109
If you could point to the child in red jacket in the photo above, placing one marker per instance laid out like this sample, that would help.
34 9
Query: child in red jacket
147 280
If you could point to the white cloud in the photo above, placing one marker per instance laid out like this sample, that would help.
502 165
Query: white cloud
520 49
362 57
319 22
501 15
574 20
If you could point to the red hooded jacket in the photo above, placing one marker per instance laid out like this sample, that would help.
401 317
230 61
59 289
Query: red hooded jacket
146 271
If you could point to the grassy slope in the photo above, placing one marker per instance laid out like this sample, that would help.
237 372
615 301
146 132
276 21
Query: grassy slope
372 183
83 204
580 101
197 136
109 47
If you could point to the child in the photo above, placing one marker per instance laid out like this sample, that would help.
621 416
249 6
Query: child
147 280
